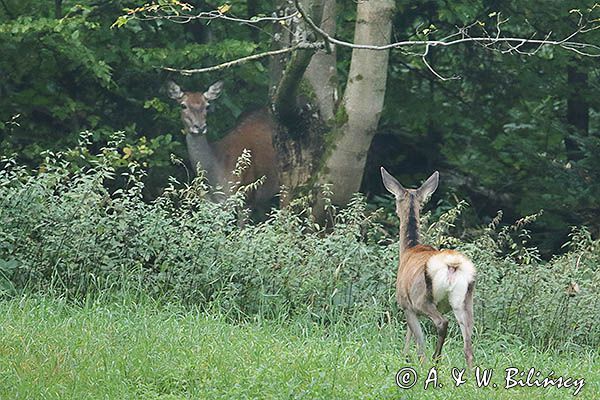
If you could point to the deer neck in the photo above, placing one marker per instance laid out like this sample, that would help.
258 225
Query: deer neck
409 227
201 151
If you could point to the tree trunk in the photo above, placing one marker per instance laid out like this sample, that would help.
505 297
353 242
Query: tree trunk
58 9
322 70
282 37
577 111
361 106
252 11
299 133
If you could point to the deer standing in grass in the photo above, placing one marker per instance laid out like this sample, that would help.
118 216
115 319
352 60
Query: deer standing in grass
254 132
430 282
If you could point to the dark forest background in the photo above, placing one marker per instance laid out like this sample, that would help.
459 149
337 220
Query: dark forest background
516 133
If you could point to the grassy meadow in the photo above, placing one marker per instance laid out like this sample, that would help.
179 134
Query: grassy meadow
127 349
105 295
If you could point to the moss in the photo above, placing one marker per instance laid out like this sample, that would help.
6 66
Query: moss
330 140
284 99
307 91
341 116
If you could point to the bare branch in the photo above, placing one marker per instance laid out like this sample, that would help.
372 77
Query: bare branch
495 43
561 43
492 40
314 26
242 60
142 15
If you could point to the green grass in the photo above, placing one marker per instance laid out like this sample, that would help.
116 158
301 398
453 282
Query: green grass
123 350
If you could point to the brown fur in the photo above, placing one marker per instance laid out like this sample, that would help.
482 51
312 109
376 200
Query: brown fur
412 265
255 133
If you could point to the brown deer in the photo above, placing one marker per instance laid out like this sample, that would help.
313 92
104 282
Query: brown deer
254 132
430 282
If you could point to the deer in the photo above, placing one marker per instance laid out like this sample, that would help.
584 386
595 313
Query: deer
218 159
429 282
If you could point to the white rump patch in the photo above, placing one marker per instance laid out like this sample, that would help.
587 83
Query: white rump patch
450 275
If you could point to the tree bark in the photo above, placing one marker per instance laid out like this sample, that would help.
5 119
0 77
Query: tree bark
285 99
58 9
322 70
360 109
577 111
299 133
282 37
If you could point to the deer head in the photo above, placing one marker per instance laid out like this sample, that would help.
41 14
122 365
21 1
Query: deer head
410 201
194 105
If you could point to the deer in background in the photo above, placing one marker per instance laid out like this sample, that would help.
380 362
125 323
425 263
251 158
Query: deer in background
430 282
254 132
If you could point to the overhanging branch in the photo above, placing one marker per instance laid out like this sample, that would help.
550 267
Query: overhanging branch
242 60
494 41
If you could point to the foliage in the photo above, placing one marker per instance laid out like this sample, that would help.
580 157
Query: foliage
63 231
497 134
500 130
65 70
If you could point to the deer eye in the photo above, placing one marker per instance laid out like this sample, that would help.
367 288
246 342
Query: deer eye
183 106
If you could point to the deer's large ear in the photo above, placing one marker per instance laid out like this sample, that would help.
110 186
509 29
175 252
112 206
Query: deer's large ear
428 187
174 90
392 184
214 91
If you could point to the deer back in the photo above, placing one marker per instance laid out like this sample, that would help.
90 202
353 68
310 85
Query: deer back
254 132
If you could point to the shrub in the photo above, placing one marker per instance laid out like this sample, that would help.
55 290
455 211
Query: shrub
63 231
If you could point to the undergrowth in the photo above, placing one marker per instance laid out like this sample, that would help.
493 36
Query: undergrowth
62 231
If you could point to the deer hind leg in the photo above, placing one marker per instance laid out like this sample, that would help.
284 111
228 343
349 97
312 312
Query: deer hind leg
464 316
441 325
407 341
415 327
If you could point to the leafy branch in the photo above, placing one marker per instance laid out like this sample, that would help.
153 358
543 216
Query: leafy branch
179 12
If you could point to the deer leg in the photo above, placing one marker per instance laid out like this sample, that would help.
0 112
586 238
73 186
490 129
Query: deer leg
464 316
415 327
407 341
441 324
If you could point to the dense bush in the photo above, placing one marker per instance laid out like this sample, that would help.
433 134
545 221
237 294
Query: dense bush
61 230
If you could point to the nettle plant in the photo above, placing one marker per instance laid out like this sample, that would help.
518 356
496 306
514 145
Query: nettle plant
69 229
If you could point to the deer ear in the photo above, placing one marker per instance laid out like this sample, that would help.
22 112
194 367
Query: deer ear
392 184
428 187
214 91
174 90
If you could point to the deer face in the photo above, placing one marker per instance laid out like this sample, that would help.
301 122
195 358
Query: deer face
194 105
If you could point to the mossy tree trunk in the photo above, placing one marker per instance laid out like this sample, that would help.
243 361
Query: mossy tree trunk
320 139
361 106
297 104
